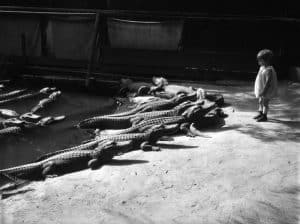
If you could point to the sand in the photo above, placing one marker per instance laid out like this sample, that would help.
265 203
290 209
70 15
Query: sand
245 172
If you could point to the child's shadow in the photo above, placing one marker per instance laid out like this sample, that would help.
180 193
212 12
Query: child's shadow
291 124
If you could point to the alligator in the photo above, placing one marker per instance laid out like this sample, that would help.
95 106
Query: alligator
146 140
9 130
215 97
177 111
136 139
30 117
45 90
6 113
97 142
24 124
105 122
61 162
139 100
86 146
165 90
158 105
12 122
171 90
12 93
49 120
192 114
52 97
139 88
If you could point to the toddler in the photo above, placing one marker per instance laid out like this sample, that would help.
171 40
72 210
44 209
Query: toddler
265 87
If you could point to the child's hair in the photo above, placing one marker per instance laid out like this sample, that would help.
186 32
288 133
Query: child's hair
266 55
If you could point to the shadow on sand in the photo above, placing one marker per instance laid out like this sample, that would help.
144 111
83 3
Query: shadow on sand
175 146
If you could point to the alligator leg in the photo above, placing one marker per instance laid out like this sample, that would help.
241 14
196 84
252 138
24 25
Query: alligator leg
196 132
146 109
136 120
143 129
48 168
185 127
146 146
17 182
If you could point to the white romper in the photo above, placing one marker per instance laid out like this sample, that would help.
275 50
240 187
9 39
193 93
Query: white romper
261 79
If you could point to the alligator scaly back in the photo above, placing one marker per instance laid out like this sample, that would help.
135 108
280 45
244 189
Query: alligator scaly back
157 105
41 168
104 122
86 146
9 131
12 93
26 96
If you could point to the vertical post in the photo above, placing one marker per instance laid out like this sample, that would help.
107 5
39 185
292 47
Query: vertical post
92 52
43 30
23 45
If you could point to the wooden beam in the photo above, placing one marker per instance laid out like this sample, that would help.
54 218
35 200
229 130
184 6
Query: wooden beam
93 48
144 14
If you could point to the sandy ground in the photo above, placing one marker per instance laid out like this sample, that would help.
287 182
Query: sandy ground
247 172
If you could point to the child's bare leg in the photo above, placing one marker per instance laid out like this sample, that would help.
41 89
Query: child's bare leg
266 106
260 108
265 110
260 104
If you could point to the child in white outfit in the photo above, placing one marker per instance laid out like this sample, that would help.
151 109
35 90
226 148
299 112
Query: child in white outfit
265 87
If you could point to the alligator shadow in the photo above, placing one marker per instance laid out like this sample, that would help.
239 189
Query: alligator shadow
125 162
175 146
64 170
9 193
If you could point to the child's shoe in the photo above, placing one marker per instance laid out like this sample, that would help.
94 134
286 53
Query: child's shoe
260 113
262 118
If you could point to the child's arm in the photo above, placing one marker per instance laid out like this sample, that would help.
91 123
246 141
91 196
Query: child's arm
266 87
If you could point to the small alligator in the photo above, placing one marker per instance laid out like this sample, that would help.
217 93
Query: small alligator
9 131
12 122
73 159
12 93
105 122
6 113
28 95
52 97
158 105
30 117
16 125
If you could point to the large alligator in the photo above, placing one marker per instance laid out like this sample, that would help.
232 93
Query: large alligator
51 98
158 105
151 136
192 114
145 140
188 109
12 93
107 122
86 146
45 90
64 161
